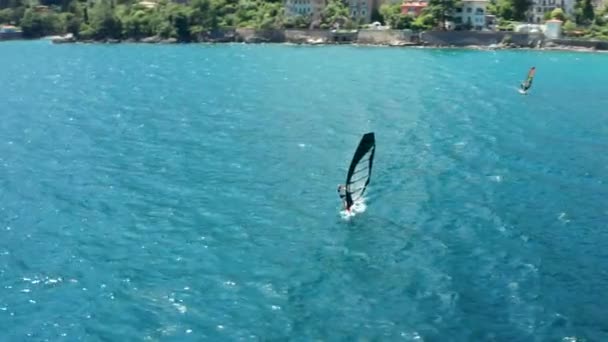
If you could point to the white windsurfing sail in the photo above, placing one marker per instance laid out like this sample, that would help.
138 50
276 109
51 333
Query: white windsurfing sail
360 170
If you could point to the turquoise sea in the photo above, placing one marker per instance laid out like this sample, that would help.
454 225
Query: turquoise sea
188 193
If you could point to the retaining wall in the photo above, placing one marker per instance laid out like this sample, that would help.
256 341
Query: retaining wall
386 37
593 44
465 38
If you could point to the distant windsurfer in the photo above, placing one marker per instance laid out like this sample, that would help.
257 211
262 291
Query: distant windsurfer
528 82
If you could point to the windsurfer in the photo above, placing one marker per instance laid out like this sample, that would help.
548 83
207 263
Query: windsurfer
359 172
528 82
342 194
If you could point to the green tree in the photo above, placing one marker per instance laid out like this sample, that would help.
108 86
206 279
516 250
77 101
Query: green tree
203 15
181 23
14 10
492 7
226 12
246 13
558 14
520 7
599 19
35 24
336 12
138 24
392 16
578 12
166 30
587 11
376 16
162 22
32 24
389 12
85 15
442 10
269 16
512 9
569 26
6 16
104 21
505 9
425 21
72 23
299 21
403 22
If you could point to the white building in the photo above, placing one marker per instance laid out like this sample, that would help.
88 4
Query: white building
472 14
533 29
360 10
553 29
536 13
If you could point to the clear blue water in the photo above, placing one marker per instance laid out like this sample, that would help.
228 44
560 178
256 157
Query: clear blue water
175 193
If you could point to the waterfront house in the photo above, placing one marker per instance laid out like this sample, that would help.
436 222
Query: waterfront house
471 15
538 9
413 8
298 7
360 10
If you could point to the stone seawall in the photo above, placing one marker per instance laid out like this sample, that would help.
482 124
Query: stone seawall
378 37
388 37
308 36
10 35
579 43
473 38
218 36
259 36
384 37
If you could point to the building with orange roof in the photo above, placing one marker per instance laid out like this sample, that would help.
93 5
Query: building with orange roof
413 8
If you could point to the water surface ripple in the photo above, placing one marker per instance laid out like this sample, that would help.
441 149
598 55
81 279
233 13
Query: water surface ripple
175 193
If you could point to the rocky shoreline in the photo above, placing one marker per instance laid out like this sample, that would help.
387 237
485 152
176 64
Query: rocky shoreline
468 40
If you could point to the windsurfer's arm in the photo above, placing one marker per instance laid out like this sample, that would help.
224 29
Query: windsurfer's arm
341 191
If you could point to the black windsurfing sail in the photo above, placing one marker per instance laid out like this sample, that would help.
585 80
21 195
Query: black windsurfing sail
360 169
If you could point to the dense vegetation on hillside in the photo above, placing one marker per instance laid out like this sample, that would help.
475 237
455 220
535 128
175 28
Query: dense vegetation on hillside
124 18
103 19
